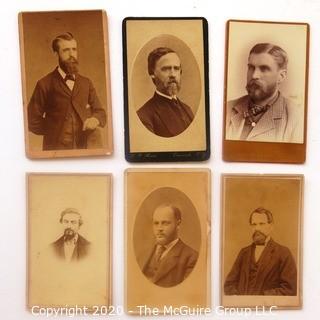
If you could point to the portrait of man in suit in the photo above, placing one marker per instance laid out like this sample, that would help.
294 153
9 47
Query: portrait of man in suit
64 107
265 267
264 114
71 246
165 114
171 260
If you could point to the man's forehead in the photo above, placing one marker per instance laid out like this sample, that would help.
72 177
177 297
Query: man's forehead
169 58
71 216
67 43
263 58
259 217
163 213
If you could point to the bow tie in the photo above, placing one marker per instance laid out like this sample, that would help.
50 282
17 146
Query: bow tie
69 77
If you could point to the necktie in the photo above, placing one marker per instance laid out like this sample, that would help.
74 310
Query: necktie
69 77
159 251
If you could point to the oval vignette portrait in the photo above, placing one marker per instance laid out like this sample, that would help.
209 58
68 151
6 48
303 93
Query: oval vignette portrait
167 237
166 86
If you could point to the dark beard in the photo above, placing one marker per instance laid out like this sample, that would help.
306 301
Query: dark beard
69 66
259 238
69 234
257 93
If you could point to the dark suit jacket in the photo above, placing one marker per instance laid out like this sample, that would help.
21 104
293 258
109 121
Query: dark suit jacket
51 101
163 118
175 266
81 249
282 122
276 275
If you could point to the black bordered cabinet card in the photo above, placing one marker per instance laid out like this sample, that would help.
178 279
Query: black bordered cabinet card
266 91
167 240
166 89
66 83
69 241
261 241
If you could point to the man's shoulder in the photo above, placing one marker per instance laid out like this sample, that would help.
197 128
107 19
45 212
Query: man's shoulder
148 106
186 249
279 247
238 102
82 241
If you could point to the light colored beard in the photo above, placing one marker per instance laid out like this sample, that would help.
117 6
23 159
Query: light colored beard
69 66
257 93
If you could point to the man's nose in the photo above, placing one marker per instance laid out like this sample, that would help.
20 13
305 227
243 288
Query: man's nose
256 74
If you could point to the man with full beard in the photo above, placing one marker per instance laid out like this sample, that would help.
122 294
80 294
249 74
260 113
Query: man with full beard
264 114
64 107
71 246
264 267
165 114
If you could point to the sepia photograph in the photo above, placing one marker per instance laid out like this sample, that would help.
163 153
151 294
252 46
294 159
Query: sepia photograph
69 238
262 241
166 89
167 239
266 77
66 83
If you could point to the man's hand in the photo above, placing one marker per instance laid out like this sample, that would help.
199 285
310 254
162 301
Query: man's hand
90 124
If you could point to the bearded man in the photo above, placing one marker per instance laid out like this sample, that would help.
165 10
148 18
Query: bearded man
64 107
264 267
264 114
71 246
165 114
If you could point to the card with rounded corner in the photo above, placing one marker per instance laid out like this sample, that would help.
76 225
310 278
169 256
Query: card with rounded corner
166 89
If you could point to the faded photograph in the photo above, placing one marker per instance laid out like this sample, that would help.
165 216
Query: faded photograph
165 114
265 267
71 246
69 239
67 90
272 110
261 240
167 238
171 260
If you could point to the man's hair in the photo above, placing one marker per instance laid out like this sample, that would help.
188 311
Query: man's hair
64 36
71 210
176 211
278 54
262 210
155 55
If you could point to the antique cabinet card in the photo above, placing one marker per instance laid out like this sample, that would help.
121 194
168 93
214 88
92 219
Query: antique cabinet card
69 241
266 91
167 229
65 83
262 241
166 89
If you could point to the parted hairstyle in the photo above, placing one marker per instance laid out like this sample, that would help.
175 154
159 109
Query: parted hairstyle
71 210
278 54
64 36
262 210
155 55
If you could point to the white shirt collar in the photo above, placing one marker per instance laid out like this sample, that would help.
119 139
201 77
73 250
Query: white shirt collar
166 96
62 73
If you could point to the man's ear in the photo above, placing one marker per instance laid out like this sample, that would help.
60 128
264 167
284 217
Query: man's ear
282 75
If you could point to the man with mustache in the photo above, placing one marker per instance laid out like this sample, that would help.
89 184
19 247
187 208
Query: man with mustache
265 114
264 267
64 107
171 260
165 114
71 246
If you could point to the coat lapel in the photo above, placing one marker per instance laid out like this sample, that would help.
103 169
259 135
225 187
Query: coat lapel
237 118
60 82
169 261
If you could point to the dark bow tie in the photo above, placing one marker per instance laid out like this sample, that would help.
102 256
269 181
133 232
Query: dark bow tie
69 77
